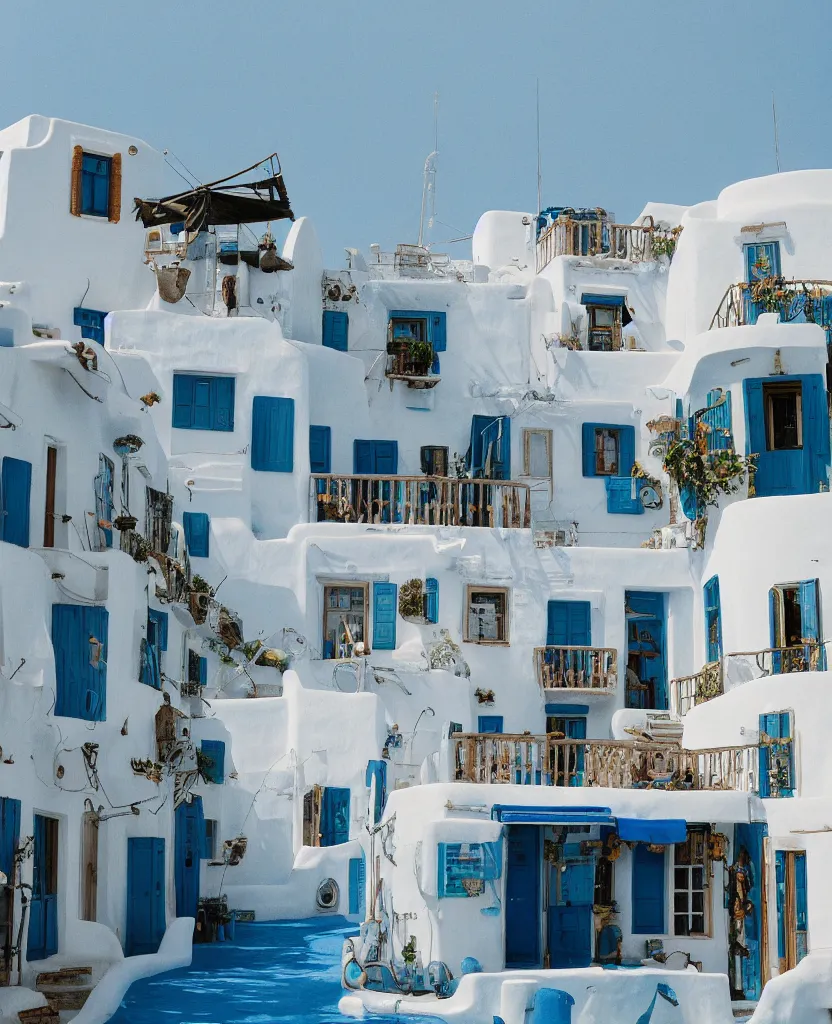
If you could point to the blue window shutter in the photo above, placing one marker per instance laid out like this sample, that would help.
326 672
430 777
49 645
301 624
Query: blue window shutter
358 885
104 498
197 532
780 886
588 449
490 433
91 322
755 431
648 891
183 400
161 621
815 433
9 834
713 620
809 594
379 457
801 903
431 599
215 750
627 450
80 665
622 496
490 723
335 816
569 624
202 402
273 434
320 449
15 492
222 412
437 331
203 671
384 616
363 460
718 419
335 330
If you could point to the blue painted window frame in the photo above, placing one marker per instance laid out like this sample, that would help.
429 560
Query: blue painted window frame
203 402
96 181
626 448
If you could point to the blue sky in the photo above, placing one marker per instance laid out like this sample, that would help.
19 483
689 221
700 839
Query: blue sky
640 99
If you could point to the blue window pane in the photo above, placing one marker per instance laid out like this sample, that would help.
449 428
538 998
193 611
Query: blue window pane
95 185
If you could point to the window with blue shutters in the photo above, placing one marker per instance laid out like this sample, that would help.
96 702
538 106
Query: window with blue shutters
379 458
648 888
419 325
91 322
212 760
197 527
320 449
431 600
273 434
160 622
358 886
9 836
713 620
335 330
777 754
489 453
79 640
608 449
15 501
203 402
464 868
568 624
717 419
96 172
384 616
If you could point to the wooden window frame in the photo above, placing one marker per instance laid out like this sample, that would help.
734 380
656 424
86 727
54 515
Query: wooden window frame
707 889
527 451
774 388
353 585
505 640
617 433
76 198
612 331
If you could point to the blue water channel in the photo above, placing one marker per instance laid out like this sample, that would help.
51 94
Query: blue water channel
285 971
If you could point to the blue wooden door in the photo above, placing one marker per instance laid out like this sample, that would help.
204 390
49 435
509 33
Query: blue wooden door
43 905
523 896
320 449
15 492
776 754
79 640
188 847
335 816
748 841
375 457
272 434
9 834
384 616
335 330
713 620
648 887
145 895
646 650
490 451
571 893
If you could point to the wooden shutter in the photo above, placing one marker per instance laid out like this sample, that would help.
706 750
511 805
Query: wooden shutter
335 816
384 616
272 434
114 199
75 181
713 620
622 496
588 449
648 892
161 621
626 450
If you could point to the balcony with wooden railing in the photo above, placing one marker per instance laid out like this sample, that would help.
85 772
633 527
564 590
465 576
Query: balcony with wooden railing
420 501
568 236
549 760
741 667
796 301
593 669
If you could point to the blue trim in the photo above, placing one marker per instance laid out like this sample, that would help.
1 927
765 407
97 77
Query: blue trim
335 328
567 709
662 831
591 299
536 815
490 723
95 184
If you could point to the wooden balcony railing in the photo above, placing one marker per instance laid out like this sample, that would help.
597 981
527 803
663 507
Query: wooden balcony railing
420 500
617 764
576 668
799 301
743 667
573 237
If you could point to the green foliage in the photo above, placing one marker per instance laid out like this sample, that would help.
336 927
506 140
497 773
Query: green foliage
709 474
411 600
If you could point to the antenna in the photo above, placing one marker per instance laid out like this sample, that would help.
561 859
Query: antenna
537 90
776 134
429 180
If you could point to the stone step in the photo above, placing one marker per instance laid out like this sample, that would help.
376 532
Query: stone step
39 1015
64 976
60 998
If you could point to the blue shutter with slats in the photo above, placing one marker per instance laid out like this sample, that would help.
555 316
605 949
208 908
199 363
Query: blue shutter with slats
437 331
215 751
776 756
161 621
335 816
815 434
717 417
384 616
713 620
320 449
79 640
627 450
568 624
203 402
197 527
273 434
801 904
15 492
335 330
358 886
91 322
490 723
379 457
203 671
9 834
648 891
809 619
431 599
588 449
622 496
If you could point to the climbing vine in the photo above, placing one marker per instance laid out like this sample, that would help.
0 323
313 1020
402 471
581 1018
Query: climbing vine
705 474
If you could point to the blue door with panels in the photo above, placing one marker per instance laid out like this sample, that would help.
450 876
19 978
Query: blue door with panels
567 625
523 896
79 640
91 322
713 620
489 454
570 923
646 650
189 845
42 938
648 888
273 434
145 895
15 494
335 816
748 854
762 260
375 457
335 330
384 616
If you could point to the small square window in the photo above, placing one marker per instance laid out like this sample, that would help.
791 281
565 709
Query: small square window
408 329
607 451
345 619
486 620
783 404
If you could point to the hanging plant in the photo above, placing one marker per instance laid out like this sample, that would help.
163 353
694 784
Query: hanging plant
664 242
151 398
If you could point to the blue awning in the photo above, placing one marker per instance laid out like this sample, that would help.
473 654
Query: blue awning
567 709
590 299
514 814
663 831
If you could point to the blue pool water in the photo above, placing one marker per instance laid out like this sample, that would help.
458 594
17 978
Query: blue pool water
286 971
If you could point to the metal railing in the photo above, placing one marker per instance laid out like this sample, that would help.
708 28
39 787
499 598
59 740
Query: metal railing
740 667
576 668
572 237
794 300
420 500
549 760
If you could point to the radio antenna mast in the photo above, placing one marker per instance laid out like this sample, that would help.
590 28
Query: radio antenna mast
537 91
776 133
429 179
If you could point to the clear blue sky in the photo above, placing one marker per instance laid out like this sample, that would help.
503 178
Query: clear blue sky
640 99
